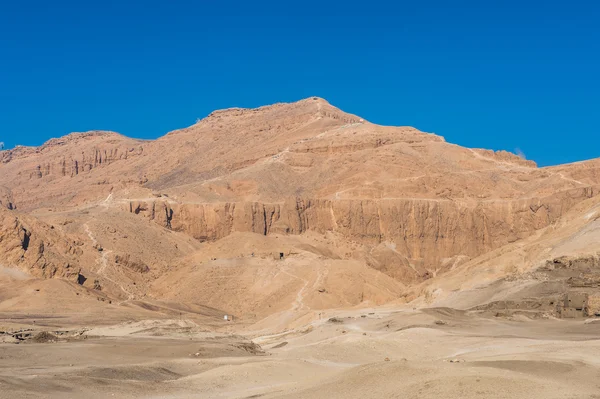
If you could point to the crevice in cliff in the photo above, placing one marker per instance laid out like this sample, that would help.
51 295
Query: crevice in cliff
169 217
26 239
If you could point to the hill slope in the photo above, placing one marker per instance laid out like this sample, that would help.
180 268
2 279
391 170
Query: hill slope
360 212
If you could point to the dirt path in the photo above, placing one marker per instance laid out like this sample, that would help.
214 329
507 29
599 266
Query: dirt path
103 261
298 304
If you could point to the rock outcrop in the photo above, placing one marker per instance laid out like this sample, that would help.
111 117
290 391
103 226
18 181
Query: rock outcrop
6 200
422 230
37 248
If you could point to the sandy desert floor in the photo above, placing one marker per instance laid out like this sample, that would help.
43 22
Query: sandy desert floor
370 353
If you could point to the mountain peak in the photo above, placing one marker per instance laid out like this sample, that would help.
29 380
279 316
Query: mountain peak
316 106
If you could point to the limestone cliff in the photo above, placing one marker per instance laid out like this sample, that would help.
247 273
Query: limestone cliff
426 230
38 248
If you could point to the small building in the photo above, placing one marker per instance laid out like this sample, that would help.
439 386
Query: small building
278 255
574 305
577 300
228 317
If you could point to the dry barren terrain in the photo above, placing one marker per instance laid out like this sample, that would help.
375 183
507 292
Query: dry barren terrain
351 260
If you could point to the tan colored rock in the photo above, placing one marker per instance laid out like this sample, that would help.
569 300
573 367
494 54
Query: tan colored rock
37 248
356 199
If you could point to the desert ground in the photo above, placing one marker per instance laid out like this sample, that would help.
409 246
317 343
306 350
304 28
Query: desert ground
382 352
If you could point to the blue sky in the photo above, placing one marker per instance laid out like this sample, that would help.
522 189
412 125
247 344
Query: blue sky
493 74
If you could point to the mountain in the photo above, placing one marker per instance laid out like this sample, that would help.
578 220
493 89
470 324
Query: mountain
278 212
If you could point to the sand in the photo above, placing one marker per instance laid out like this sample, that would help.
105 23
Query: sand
382 352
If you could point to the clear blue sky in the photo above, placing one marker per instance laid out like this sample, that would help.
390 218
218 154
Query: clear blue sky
492 74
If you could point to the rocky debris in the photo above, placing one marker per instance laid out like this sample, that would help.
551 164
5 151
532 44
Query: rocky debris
44 337
36 336
19 335
250 347
129 262
575 282
582 264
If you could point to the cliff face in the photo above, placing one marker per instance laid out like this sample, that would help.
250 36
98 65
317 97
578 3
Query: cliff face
84 162
426 230
70 155
53 173
38 248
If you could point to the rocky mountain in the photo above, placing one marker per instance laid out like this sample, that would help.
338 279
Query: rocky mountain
296 206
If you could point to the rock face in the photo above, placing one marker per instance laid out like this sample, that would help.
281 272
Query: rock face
394 199
71 163
423 230
43 176
36 248
6 200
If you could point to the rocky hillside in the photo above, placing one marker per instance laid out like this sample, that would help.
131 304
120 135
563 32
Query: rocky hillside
396 200
38 248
